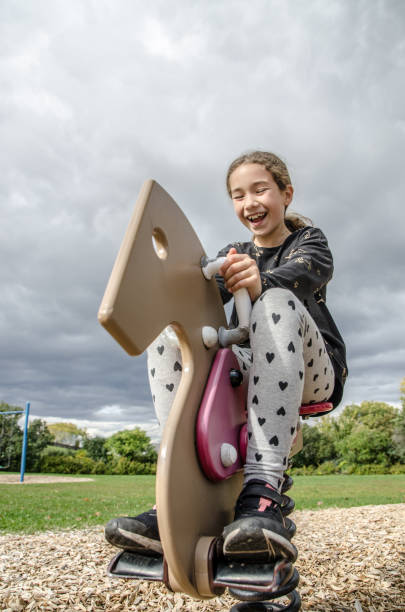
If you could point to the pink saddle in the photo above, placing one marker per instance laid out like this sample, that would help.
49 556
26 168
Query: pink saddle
221 430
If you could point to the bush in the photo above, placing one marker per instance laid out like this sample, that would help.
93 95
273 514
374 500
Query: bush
39 437
96 449
372 432
397 468
122 466
80 463
365 446
365 469
125 466
326 468
99 468
370 468
309 455
67 465
56 451
344 467
306 470
131 444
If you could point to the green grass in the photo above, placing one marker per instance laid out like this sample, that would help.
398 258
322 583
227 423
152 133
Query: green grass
39 507
343 491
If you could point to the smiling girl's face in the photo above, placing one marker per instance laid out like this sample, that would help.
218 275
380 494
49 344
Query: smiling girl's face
260 204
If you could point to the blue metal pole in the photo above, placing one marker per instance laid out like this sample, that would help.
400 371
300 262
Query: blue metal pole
25 437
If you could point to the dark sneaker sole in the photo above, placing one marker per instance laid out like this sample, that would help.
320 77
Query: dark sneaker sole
130 534
261 544
138 543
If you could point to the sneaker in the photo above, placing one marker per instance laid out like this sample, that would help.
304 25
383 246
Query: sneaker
287 483
259 532
135 533
287 505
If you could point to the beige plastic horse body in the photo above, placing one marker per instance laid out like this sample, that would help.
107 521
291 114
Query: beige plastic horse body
157 281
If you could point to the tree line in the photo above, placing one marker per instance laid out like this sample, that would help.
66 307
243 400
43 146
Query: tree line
364 438
63 448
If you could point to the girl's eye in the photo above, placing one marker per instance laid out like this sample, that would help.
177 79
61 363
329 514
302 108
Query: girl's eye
261 190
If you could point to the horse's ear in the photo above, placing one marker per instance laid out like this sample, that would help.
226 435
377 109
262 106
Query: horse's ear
156 279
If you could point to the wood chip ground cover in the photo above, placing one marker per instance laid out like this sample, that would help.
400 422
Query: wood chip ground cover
349 560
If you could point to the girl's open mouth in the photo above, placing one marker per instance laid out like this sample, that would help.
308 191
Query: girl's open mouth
257 218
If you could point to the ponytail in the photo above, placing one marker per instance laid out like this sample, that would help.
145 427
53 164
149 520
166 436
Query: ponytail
295 221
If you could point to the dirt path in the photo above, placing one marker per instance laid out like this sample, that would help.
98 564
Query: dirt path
349 560
41 479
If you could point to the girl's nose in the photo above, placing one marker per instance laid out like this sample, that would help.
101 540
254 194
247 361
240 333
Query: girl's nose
251 200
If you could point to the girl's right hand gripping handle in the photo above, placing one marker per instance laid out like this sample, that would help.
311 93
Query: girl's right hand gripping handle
243 305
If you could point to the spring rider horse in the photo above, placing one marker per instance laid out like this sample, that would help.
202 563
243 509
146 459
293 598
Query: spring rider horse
160 278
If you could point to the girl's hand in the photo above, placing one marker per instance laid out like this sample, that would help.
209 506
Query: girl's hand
241 271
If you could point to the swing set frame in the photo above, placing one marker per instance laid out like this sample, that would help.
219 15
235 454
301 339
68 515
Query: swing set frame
26 411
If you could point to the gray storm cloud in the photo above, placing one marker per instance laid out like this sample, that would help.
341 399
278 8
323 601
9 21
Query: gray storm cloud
97 97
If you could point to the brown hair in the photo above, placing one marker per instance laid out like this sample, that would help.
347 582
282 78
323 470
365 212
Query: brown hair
270 161
281 176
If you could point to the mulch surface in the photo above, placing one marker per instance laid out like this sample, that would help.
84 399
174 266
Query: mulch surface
349 560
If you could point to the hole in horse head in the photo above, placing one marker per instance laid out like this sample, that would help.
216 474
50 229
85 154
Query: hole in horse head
160 243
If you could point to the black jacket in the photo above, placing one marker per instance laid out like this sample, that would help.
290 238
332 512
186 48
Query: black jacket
304 265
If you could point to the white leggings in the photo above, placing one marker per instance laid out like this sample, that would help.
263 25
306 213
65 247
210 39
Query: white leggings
287 365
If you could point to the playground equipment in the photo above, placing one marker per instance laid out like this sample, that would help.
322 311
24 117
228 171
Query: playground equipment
157 281
4 442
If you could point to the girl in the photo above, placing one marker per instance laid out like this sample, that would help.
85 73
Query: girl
295 353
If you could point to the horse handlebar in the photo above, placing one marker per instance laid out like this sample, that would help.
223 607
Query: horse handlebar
243 306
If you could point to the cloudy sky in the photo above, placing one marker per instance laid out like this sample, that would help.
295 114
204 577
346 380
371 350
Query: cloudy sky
96 96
